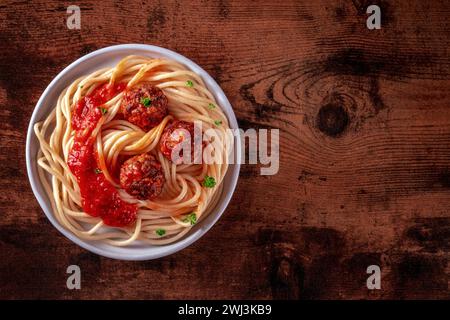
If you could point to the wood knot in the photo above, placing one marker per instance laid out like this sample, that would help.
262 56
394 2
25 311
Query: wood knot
286 279
332 119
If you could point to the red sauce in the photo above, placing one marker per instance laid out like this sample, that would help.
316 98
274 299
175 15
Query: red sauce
99 197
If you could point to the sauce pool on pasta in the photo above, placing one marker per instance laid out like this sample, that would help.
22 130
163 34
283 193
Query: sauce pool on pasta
99 197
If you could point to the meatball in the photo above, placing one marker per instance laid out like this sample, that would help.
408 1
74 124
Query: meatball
144 105
175 134
141 176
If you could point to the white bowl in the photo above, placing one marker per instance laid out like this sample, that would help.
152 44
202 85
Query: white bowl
109 57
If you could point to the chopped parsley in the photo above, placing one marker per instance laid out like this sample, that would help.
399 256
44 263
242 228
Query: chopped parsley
103 110
146 101
81 86
218 122
160 232
211 106
98 171
209 182
189 83
191 218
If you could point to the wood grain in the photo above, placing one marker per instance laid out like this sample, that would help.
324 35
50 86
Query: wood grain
364 119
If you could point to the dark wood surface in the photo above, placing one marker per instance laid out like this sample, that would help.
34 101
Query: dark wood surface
364 119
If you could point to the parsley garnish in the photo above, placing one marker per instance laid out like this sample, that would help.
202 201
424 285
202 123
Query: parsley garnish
189 83
211 106
191 218
218 122
160 232
104 110
81 87
98 171
209 182
146 101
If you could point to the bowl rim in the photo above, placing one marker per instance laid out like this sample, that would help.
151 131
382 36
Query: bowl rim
92 246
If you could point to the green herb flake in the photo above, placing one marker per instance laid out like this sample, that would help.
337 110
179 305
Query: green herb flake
81 86
146 101
160 232
103 110
209 182
191 218
218 122
98 171
189 83
211 106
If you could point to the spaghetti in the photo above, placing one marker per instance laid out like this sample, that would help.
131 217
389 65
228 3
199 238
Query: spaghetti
103 157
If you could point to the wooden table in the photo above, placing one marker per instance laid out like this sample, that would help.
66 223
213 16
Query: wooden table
364 120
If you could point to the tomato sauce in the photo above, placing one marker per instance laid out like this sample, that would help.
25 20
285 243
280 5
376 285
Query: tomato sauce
99 197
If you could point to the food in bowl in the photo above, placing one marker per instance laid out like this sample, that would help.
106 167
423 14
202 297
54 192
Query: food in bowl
117 157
